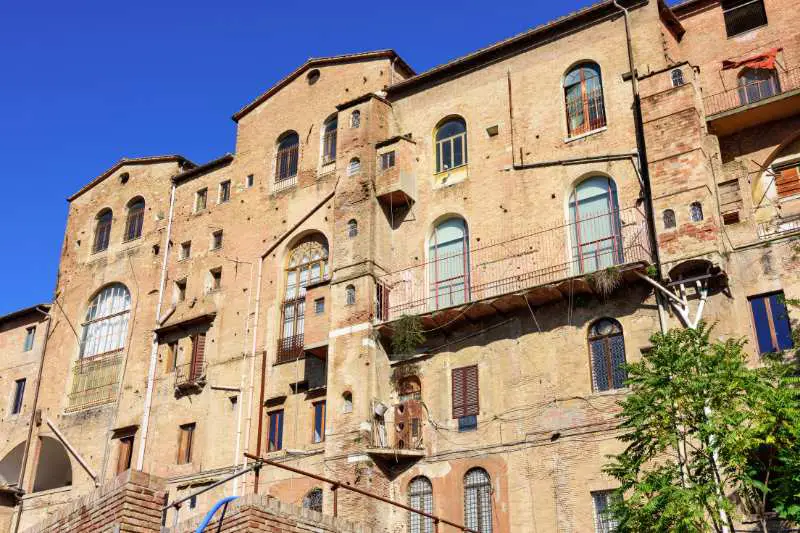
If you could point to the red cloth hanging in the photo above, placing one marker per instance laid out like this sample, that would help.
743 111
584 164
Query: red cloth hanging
765 60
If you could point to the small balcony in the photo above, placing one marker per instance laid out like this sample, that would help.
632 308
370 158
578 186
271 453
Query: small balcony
757 102
190 377
395 180
290 349
95 381
405 442
532 269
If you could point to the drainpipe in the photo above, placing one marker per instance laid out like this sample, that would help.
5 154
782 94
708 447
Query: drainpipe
37 388
237 454
250 386
151 374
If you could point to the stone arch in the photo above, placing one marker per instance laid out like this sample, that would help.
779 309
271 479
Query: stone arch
11 465
54 468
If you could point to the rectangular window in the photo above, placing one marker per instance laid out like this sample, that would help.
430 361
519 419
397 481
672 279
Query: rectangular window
250 180
387 160
319 306
30 336
172 356
224 191
771 321
319 421
185 442
216 279
180 290
125 454
186 250
19 394
275 430
200 200
216 240
465 397
603 520
730 200
743 15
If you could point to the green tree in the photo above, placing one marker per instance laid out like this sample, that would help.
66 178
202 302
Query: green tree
696 423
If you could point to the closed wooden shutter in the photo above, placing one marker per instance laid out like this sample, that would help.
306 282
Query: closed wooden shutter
788 182
198 355
125 454
465 391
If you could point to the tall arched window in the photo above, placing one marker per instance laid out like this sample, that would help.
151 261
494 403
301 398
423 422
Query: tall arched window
478 500
313 500
607 351
102 230
594 225
135 219
451 144
757 83
448 264
669 219
583 94
329 140
307 263
677 77
287 156
420 497
696 211
106 326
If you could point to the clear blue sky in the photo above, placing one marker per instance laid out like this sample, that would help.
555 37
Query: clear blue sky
83 84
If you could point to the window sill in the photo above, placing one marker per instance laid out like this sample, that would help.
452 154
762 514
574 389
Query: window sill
134 239
449 170
745 32
587 134
611 392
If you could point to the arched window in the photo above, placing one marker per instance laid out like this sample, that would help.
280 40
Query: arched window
350 295
355 119
313 500
329 140
594 225
307 263
757 83
607 351
135 219
102 230
583 94
352 228
696 211
448 264
677 77
478 500
347 402
106 326
420 497
669 219
287 156
354 167
451 144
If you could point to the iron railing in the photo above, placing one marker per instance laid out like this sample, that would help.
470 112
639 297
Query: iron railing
545 256
95 380
190 374
290 348
586 113
752 92
286 162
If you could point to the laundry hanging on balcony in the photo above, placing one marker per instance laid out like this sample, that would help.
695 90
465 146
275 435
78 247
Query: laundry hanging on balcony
764 60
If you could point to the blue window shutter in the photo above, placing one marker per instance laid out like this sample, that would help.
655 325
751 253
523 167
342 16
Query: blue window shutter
599 368
759 309
780 318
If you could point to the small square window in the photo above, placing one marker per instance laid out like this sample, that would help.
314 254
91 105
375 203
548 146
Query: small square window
224 191
468 423
216 279
200 200
387 160
180 290
319 306
250 180
216 240
186 250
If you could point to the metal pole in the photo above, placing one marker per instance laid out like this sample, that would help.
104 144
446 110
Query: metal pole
335 500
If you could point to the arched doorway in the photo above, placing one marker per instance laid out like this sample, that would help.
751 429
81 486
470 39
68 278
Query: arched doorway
594 225
54 469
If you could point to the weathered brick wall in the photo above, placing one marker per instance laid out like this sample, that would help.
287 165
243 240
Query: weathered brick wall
264 513
130 503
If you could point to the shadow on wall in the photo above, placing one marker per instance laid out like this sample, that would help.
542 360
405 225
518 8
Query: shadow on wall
54 469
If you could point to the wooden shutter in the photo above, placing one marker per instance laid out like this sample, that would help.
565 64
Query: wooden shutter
185 444
198 355
465 391
125 454
788 182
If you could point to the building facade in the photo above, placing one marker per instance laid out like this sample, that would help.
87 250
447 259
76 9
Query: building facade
426 285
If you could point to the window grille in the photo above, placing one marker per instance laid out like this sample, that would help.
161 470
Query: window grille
607 350
420 497
287 157
313 500
604 522
583 93
106 326
478 500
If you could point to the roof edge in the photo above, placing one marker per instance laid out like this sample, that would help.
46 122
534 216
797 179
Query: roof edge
318 62
131 161
203 169
25 311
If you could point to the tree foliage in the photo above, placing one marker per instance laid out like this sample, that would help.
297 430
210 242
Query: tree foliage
705 432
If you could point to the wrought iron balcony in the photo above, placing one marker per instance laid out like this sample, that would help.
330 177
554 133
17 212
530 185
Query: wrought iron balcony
190 375
527 265
290 348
